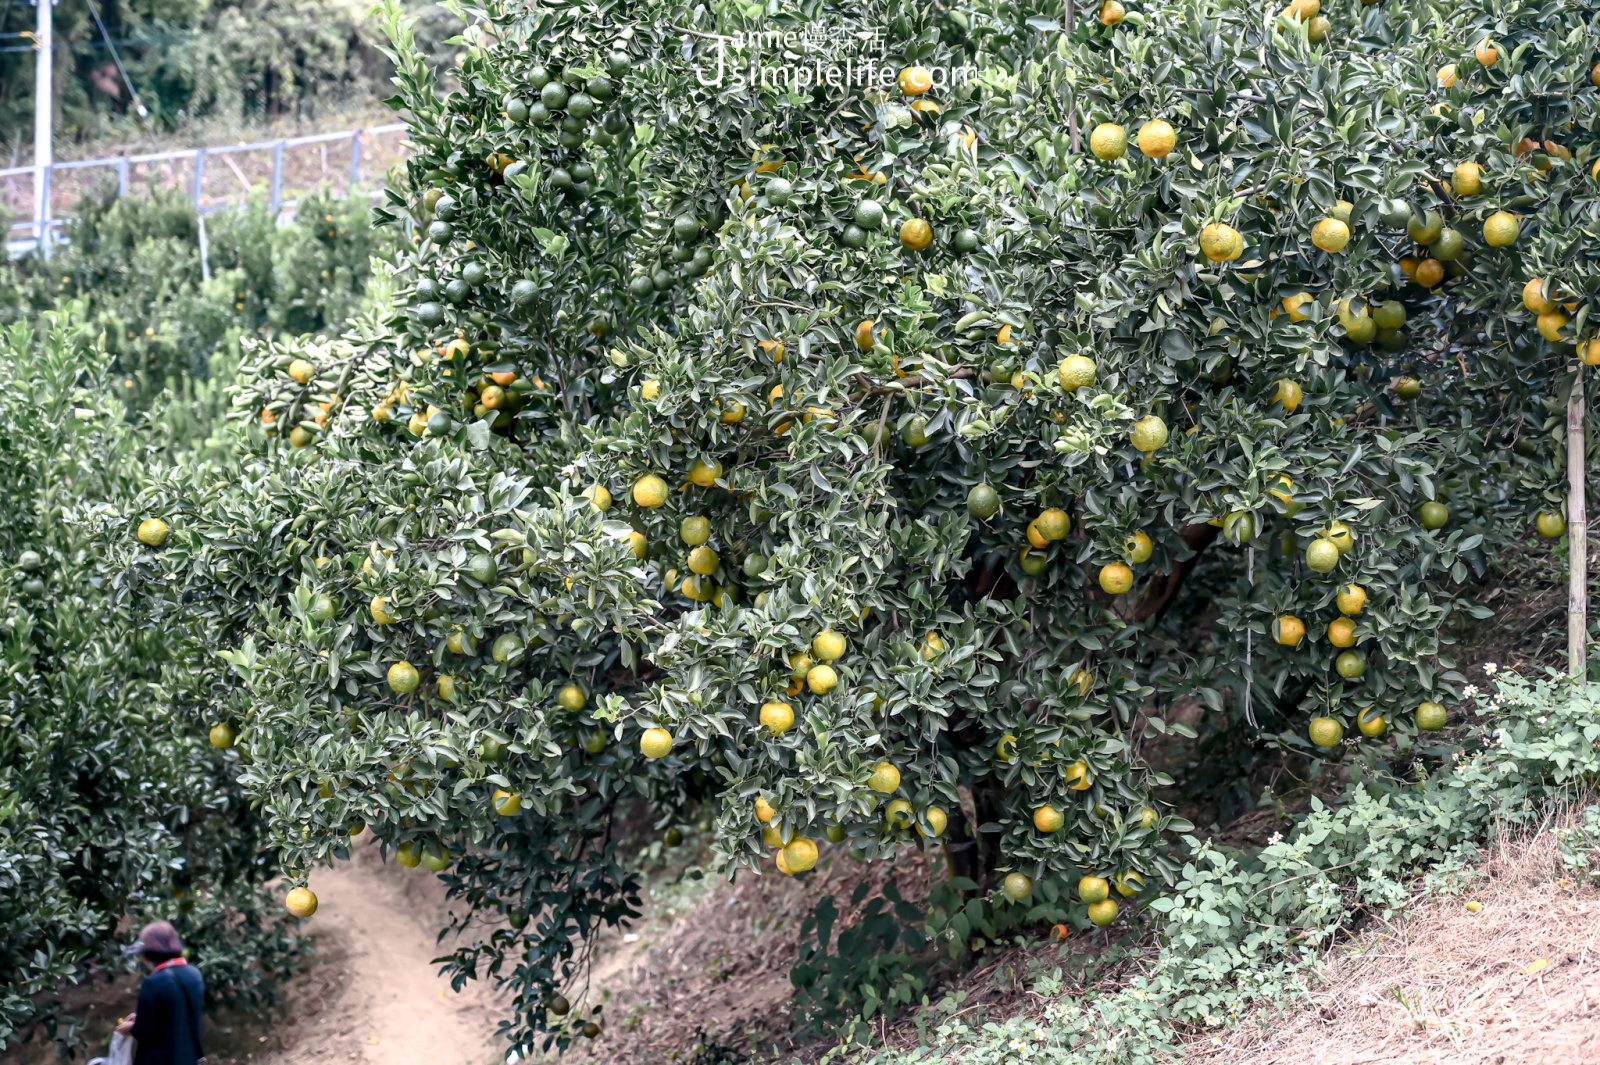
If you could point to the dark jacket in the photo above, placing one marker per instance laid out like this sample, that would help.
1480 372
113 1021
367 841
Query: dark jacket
167 1028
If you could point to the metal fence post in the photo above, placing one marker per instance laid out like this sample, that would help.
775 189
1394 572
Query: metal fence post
199 176
355 160
277 178
122 176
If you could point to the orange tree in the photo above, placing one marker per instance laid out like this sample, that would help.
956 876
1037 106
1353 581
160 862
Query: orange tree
868 423
111 807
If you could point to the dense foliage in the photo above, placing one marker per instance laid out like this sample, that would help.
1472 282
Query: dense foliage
112 807
196 59
136 265
885 463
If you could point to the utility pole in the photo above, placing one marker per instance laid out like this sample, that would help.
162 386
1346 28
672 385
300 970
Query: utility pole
43 153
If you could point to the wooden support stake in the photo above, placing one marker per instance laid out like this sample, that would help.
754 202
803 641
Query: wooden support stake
1577 536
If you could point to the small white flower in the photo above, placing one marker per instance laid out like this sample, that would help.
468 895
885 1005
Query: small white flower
1276 837
1038 1033
1111 1045
1490 669
1017 1044
1216 1040
1470 691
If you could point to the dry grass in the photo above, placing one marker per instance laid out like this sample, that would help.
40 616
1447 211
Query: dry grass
1515 982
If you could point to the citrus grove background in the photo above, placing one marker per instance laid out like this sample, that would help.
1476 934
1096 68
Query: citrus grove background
1013 470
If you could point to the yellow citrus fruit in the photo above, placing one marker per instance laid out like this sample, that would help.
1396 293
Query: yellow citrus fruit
1048 819
779 717
821 679
1303 9
1342 632
1054 523
1017 886
598 495
1429 273
1447 75
1078 776
1500 229
221 736
828 645
300 902
937 820
705 474
1075 372
916 234
1148 433
1128 883
1148 818
1288 395
1331 235
1103 912
1157 139
1138 547
704 561
1221 243
408 855
641 546
782 863
1292 305
1093 888
655 743
153 532
764 811
864 341
650 491
1321 555
800 855
1431 717
650 389
1112 12
1467 179
932 646
1486 53
1352 599
1591 352
506 803
1372 723
446 687
733 413
1108 141
899 813
1340 535
403 678
1116 578
885 778
1534 298
1036 537
1550 524
1550 324
914 81
1288 630
1326 732
302 371
571 699
1006 749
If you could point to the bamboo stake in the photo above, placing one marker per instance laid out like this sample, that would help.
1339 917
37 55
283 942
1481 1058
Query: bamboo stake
1577 536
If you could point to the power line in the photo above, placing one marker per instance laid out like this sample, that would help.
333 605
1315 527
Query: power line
138 104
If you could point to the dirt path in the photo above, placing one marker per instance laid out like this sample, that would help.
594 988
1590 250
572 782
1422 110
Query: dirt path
373 995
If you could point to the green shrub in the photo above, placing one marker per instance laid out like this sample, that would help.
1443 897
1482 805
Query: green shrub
134 265
112 806
1239 930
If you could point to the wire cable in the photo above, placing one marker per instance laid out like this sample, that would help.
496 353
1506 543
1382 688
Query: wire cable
138 104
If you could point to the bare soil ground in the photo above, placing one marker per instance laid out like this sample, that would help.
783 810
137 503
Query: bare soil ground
370 995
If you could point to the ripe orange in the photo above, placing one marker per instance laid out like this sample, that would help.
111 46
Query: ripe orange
1429 273
300 902
1342 632
914 81
916 234
1288 630
1112 12
1487 53
1535 299
1116 578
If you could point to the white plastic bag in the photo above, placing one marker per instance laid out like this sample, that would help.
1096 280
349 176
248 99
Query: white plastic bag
121 1052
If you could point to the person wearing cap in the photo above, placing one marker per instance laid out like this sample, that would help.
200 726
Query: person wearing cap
166 1023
